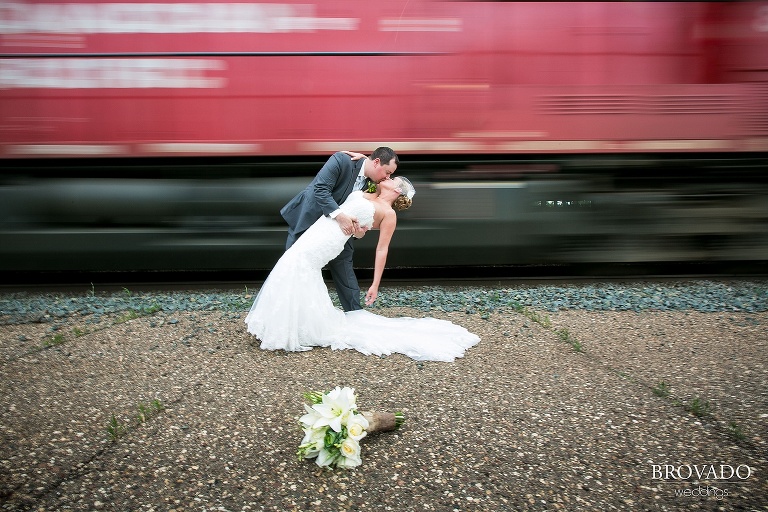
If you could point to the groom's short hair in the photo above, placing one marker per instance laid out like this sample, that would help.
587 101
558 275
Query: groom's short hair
385 155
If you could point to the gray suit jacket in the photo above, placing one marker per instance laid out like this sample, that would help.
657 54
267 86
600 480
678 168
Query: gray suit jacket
330 187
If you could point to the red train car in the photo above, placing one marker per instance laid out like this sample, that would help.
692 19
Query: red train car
535 132
96 78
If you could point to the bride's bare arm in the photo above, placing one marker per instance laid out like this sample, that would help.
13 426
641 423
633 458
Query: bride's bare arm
386 230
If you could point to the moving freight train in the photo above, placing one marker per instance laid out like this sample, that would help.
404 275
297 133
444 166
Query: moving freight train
167 135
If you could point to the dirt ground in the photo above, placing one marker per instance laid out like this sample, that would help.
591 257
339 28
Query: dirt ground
573 410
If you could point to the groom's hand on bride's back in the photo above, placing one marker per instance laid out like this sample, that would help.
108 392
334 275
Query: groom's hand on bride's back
347 223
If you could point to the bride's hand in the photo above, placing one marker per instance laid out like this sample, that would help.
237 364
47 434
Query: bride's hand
370 296
354 156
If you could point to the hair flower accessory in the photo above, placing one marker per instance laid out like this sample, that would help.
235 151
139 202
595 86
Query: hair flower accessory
407 187
333 428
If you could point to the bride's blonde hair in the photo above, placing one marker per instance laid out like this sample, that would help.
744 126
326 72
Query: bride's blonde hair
401 203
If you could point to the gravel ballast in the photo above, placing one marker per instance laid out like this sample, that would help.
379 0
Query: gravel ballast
582 397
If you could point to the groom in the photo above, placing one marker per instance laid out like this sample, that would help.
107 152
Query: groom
334 182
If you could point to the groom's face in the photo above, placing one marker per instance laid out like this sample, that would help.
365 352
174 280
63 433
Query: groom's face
382 172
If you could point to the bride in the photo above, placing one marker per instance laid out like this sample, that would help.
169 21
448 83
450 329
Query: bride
293 310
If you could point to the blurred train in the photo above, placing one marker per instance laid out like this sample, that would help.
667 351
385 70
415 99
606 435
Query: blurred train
167 135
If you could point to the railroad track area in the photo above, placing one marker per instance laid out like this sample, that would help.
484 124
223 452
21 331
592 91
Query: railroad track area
584 394
451 276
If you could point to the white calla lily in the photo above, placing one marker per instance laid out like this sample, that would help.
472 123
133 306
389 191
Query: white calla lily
325 458
309 419
335 409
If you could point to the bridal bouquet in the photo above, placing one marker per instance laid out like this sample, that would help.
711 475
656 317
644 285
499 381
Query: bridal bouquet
333 428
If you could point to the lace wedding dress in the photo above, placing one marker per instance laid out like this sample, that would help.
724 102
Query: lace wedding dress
294 312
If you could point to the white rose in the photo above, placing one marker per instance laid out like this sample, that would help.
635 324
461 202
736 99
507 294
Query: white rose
356 427
350 449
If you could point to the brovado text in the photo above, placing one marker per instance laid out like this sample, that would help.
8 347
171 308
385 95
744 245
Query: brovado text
726 472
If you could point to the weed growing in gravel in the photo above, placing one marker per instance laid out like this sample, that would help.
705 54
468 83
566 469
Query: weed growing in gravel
54 341
132 315
542 320
115 429
698 407
143 413
151 310
661 389
79 332
565 335
735 431
147 411
545 322
129 315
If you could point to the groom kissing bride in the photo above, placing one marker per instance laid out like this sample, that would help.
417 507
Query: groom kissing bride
293 311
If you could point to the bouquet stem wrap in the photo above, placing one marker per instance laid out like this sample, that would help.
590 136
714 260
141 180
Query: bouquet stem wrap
382 421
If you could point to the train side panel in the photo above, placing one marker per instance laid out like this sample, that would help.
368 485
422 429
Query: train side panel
453 77
147 136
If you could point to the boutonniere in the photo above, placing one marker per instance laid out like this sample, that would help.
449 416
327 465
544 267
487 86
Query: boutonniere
370 186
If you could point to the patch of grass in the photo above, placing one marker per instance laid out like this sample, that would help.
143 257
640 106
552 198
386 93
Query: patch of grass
54 341
133 315
698 407
546 322
79 332
115 429
143 413
129 315
735 431
661 389
148 411
565 336
151 310
534 316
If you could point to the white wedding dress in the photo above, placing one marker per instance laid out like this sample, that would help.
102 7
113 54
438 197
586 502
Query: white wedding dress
294 312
